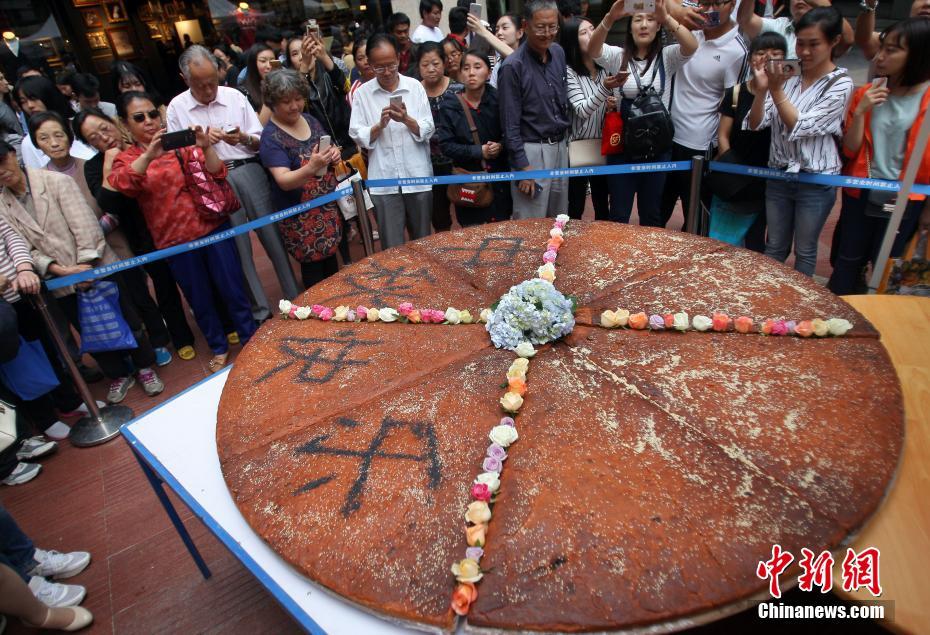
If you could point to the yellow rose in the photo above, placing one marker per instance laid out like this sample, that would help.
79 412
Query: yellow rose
821 328
341 314
485 315
622 316
467 570
373 315
548 276
478 512
511 401
609 319
465 316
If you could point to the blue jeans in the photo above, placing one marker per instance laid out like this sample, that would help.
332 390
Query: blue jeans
796 212
646 186
16 549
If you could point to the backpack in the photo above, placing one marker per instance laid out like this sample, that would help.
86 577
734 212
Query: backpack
647 127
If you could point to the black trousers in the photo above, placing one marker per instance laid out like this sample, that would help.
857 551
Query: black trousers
137 285
314 272
600 196
678 185
169 304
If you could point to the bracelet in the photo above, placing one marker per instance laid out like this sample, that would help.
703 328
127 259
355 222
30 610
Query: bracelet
781 101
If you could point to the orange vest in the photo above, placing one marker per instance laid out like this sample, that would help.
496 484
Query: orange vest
856 164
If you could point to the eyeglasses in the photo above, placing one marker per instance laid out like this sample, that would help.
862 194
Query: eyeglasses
551 29
103 130
381 70
715 3
139 117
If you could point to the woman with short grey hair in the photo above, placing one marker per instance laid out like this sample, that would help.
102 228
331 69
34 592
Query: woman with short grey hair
301 170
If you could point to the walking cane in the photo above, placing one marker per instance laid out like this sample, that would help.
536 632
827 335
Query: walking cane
101 424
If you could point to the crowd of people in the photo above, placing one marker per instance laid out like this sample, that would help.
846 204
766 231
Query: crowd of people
85 182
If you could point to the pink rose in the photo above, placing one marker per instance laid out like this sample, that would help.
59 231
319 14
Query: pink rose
404 308
318 309
362 313
327 314
549 256
438 316
480 492
779 328
559 224
293 312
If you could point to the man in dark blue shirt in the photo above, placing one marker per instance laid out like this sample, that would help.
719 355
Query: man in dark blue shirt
531 86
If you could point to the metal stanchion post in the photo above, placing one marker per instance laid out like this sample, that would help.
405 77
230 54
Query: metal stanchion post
101 424
693 220
364 222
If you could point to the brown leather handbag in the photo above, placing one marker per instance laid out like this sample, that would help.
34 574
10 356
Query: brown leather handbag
471 194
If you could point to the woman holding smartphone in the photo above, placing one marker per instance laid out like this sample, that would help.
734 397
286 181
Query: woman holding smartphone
297 151
805 112
260 61
154 176
644 54
881 135
505 39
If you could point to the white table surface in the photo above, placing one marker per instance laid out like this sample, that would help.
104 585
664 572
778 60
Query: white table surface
178 440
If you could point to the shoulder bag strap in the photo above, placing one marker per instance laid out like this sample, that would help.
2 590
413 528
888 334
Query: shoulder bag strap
830 83
471 126
736 89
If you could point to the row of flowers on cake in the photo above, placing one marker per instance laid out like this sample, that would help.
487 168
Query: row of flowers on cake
484 490
721 323
405 313
556 238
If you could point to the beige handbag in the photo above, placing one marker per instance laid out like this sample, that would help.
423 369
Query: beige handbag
7 425
585 152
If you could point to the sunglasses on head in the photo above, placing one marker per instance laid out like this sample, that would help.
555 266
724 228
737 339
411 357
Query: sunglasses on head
139 117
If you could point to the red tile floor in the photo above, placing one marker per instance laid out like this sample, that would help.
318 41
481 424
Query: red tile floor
141 579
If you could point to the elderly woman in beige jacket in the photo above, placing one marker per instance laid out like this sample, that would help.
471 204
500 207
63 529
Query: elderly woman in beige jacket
49 211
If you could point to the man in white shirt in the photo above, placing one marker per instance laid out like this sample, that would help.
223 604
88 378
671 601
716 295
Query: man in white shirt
234 130
697 89
87 92
391 118
752 25
428 31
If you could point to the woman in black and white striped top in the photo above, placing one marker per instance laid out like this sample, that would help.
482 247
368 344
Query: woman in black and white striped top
805 113
591 95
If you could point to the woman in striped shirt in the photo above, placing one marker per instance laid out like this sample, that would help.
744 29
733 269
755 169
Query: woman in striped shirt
805 113
591 95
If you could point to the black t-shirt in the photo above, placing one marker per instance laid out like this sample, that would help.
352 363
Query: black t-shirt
752 147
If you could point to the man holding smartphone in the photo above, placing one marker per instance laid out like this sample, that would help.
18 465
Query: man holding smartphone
234 131
752 25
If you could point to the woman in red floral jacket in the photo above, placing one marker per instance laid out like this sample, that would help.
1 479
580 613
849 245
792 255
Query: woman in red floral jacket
155 177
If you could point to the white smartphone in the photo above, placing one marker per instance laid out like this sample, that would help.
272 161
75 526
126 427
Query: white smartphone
475 9
230 129
639 6
325 142
397 100
880 82
787 67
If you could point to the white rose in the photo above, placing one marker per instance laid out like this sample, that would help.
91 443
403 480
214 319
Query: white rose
680 321
503 435
284 306
341 313
563 218
485 315
525 349
622 316
302 312
511 401
491 479
387 314
555 231
701 323
452 316
838 326
373 315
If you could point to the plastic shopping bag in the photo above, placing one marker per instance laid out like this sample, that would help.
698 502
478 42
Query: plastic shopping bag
103 327
30 375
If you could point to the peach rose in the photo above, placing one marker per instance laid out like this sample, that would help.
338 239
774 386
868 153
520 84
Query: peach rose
475 535
517 385
804 328
478 512
414 316
743 324
639 321
462 598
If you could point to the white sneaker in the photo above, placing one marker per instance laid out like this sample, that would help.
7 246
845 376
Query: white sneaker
56 595
53 564
22 473
35 447
58 431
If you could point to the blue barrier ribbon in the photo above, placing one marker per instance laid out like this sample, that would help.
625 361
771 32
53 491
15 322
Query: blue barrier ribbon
167 252
835 180
561 173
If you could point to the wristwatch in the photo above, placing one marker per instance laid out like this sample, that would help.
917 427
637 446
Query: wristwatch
864 5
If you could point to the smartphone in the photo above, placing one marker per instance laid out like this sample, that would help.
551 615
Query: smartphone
787 67
711 18
178 139
230 129
325 142
475 9
397 100
880 82
639 6
312 27
276 65
537 189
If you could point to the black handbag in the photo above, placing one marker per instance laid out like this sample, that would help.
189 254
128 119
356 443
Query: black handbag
724 185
